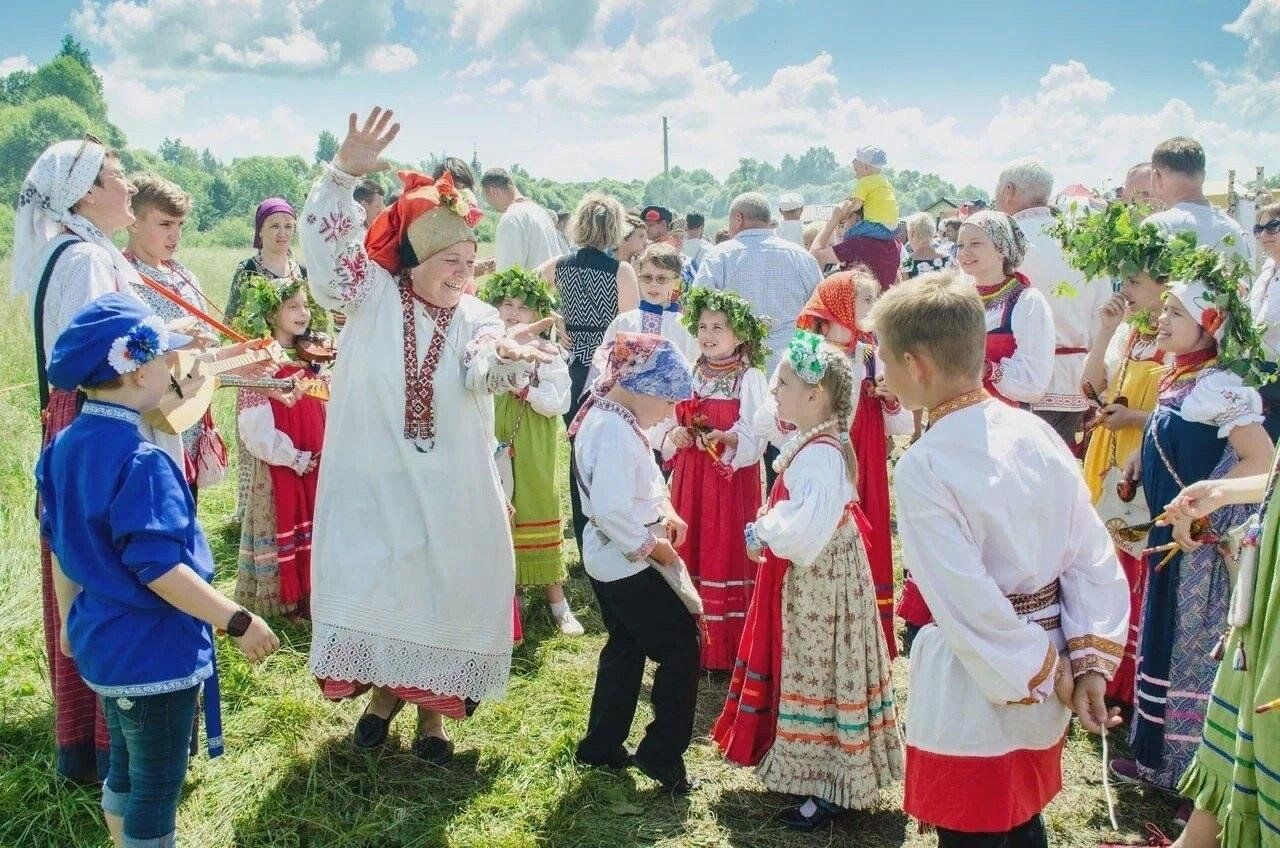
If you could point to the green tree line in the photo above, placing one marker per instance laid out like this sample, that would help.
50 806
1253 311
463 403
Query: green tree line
62 99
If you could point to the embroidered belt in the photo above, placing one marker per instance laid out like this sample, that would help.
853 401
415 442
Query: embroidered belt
1068 351
1038 600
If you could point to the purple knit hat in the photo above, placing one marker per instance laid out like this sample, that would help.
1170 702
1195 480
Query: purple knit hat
268 207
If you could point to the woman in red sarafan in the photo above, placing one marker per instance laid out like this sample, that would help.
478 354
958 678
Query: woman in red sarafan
715 454
833 312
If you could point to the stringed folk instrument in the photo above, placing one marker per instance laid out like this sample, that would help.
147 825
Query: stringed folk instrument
312 386
193 377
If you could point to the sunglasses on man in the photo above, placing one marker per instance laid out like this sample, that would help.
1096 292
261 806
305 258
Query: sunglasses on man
1272 227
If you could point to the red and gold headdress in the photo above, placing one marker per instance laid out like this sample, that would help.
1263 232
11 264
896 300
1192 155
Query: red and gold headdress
429 216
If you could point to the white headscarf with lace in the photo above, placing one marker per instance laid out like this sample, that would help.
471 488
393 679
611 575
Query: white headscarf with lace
62 175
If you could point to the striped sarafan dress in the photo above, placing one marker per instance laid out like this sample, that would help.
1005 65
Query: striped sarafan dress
1235 773
527 425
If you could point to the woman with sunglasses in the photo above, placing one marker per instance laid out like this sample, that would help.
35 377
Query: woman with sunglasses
1264 303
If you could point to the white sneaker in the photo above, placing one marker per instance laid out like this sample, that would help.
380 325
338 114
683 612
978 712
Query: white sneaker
569 624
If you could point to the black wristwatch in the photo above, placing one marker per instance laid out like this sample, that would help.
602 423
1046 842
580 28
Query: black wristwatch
239 623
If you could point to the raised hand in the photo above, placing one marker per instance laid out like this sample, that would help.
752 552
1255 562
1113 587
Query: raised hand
361 150
521 342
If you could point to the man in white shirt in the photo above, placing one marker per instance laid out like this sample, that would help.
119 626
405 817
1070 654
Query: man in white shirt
526 234
1022 191
1177 181
791 207
695 246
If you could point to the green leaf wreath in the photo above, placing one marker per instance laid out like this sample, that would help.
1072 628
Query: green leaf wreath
522 283
1113 242
1225 276
752 331
262 296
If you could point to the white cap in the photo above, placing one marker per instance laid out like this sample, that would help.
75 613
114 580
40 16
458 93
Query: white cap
791 201
872 156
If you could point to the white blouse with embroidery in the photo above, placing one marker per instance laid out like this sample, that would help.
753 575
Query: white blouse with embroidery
548 390
992 504
413 571
622 490
257 427
1221 399
1024 377
818 490
752 393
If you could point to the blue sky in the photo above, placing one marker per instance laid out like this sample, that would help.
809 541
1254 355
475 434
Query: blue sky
576 88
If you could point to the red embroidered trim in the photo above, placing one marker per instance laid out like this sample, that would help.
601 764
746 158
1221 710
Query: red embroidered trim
419 381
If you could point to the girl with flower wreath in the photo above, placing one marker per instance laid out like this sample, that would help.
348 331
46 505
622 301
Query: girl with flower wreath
835 311
282 433
714 453
811 698
1122 371
1207 424
527 425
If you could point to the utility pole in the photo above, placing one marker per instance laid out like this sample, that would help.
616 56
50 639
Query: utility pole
666 149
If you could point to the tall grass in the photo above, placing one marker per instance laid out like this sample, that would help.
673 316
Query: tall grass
291 778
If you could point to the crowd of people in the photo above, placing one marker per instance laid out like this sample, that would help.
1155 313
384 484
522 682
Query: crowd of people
1070 406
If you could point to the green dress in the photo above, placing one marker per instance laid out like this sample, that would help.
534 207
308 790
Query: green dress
537 527
1236 771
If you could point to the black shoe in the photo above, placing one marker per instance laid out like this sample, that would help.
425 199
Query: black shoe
823 814
433 749
672 778
469 706
619 759
371 730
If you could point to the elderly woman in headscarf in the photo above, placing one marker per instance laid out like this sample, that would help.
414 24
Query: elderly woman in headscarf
74 198
413 571
1020 335
274 224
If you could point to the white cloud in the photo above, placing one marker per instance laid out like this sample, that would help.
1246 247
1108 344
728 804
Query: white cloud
1253 90
15 63
131 102
239 36
478 68
283 132
501 87
389 58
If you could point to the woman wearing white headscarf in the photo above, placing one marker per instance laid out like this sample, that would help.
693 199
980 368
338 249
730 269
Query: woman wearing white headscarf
74 197
1019 322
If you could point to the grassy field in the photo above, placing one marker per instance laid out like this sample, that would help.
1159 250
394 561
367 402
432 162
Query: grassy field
291 778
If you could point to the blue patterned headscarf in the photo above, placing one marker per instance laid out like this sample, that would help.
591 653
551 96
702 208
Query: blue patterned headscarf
642 363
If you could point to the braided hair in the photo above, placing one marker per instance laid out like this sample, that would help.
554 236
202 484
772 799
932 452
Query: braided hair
841 387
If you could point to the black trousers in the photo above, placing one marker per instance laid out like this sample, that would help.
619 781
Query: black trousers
577 384
644 619
1029 834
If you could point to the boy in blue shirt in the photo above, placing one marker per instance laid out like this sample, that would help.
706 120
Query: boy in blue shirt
133 567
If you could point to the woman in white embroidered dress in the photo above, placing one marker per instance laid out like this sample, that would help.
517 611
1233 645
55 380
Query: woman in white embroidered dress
412 568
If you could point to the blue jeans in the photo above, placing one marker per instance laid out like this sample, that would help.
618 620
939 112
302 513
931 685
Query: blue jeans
150 746
869 229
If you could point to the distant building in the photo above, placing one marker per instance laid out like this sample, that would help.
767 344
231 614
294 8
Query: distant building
943 207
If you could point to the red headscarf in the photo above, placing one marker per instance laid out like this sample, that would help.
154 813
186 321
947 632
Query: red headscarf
833 300
421 196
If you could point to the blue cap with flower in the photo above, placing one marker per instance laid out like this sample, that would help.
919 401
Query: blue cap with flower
112 335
